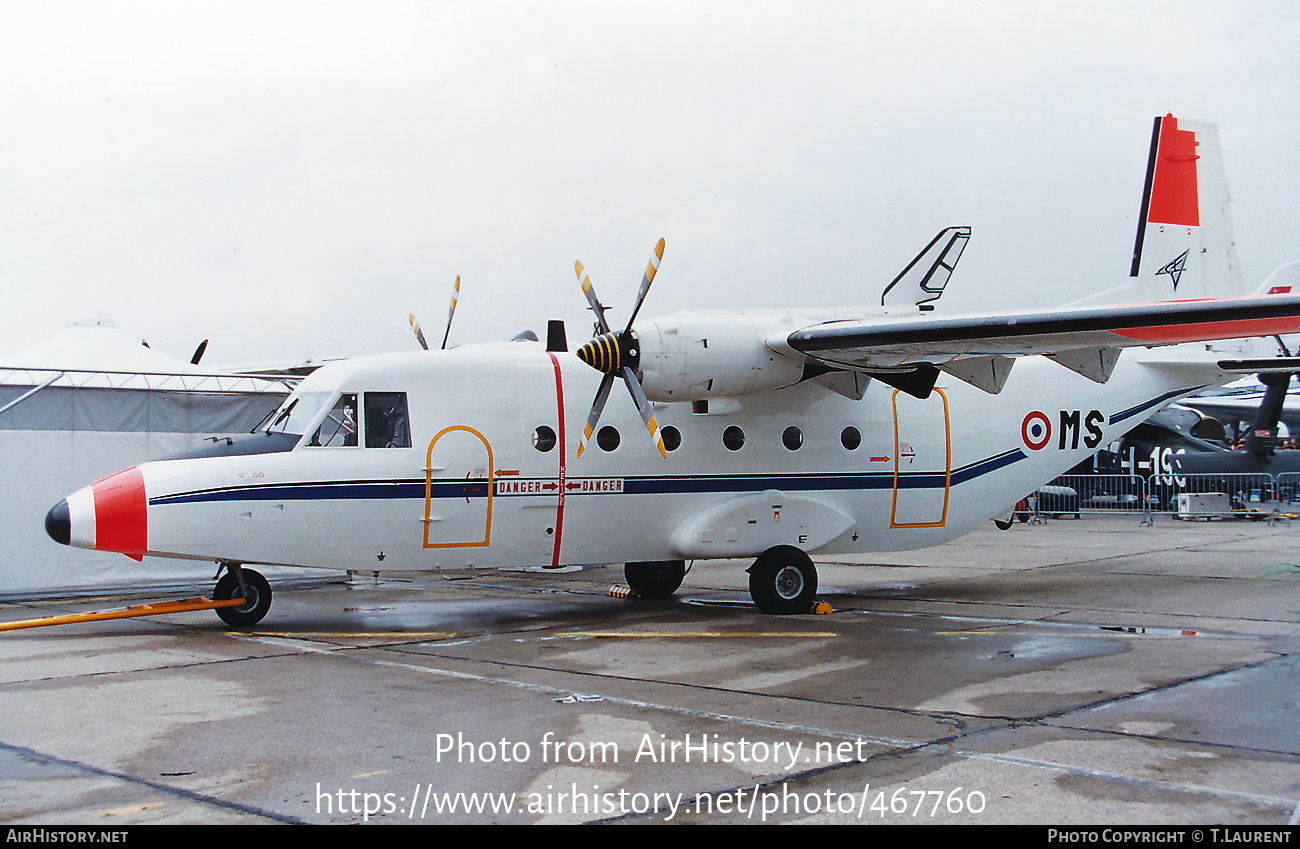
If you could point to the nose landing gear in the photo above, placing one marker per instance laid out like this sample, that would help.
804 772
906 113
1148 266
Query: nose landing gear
238 582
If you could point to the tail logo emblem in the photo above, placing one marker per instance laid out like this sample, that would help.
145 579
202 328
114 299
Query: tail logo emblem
1175 269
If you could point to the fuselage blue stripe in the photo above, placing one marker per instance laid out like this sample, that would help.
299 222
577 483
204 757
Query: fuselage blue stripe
1143 407
415 489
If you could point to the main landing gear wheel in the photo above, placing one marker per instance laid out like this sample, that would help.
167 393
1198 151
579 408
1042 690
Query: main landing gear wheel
656 578
1019 513
257 600
783 580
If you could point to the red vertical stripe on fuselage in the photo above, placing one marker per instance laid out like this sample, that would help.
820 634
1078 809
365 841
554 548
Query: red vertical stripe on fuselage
559 510
122 514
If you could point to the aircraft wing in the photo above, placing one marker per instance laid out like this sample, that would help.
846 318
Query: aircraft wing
285 371
1184 287
981 349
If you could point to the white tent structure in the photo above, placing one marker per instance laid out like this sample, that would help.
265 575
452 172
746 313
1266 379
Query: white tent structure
86 403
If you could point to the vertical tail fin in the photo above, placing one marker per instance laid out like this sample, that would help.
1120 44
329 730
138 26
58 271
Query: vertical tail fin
1184 236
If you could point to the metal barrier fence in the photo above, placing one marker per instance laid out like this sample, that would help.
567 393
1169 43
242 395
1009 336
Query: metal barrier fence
1188 497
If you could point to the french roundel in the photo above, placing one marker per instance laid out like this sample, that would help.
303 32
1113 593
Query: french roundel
1036 430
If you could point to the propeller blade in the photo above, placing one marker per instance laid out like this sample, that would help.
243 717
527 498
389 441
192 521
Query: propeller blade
597 407
643 407
451 311
198 352
419 335
651 268
618 356
590 291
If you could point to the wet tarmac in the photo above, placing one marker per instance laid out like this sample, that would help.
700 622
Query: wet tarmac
1079 672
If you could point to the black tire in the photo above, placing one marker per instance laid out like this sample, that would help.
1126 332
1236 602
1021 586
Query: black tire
783 580
257 602
655 578
1003 526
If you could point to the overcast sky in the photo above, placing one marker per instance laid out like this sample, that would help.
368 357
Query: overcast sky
291 179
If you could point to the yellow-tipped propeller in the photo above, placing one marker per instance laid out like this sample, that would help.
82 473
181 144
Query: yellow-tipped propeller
451 311
419 334
618 355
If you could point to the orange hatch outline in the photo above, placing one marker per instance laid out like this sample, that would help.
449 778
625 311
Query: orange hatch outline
428 490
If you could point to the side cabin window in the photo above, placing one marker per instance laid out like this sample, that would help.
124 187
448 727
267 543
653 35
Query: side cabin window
387 425
339 427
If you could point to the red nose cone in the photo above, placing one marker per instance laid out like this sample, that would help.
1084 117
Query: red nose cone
121 514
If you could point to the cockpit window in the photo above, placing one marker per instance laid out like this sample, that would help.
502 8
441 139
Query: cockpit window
298 413
339 427
387 425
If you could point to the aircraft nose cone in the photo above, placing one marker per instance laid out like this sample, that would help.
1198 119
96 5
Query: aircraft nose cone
58 523
109 515
121 513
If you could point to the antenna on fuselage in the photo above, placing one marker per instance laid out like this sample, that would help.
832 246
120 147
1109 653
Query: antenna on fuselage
555 336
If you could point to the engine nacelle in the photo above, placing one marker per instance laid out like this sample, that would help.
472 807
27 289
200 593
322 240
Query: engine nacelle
695 356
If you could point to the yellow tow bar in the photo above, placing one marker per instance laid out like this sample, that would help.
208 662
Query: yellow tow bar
181 606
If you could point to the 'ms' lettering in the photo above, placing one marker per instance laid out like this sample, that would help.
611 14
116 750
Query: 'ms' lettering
1092 424
1069 429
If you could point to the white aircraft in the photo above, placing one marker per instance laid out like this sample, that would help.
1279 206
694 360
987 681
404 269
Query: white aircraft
772 435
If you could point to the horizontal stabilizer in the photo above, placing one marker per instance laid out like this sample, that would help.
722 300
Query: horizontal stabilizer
1285 280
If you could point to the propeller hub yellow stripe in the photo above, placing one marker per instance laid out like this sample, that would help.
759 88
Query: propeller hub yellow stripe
602 353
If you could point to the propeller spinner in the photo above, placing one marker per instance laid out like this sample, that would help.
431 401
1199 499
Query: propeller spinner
618 355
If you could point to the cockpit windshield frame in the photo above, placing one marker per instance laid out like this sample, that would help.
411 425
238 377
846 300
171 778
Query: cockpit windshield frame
300 412
329 418
339 426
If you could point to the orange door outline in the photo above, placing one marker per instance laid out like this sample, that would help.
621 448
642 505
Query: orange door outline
947 480
428 491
